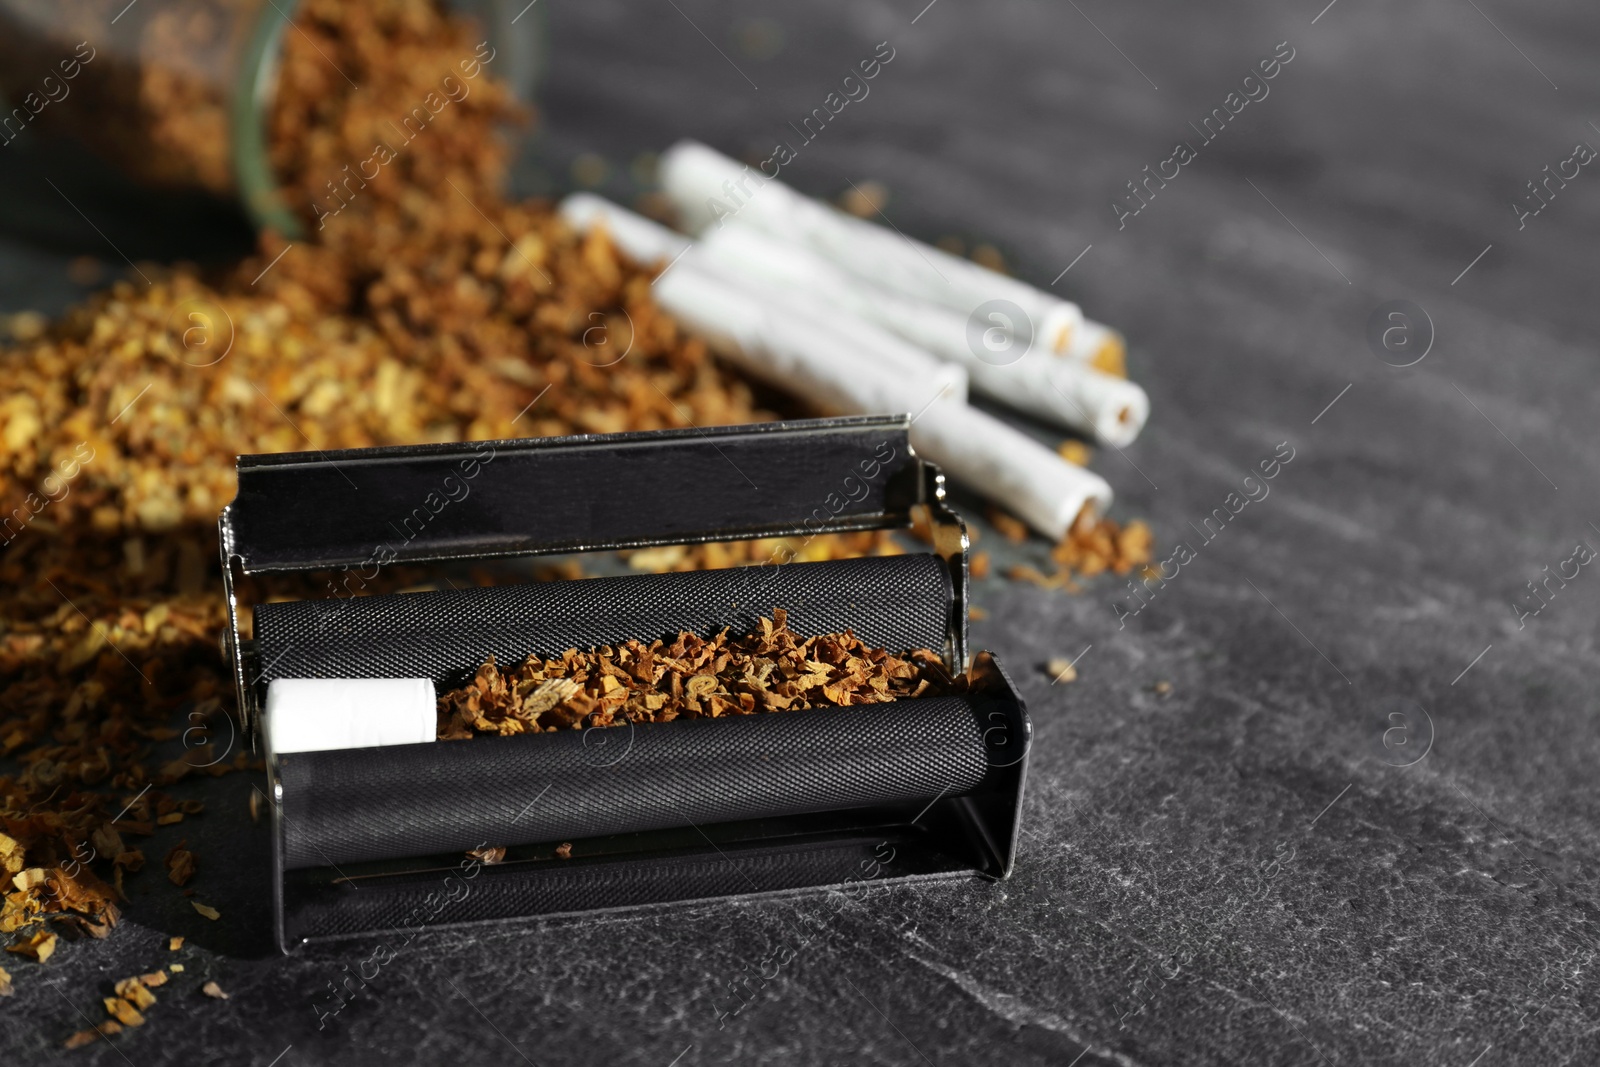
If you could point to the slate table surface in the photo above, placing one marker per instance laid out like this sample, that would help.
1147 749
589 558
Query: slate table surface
1223 861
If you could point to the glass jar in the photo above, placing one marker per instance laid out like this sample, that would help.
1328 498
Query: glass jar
175 94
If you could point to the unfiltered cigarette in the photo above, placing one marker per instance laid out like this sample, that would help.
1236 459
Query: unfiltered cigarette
808 354
788 348
1008 467
1060 390
1111 409
863 341
848 364
1100 347
317 714
708 188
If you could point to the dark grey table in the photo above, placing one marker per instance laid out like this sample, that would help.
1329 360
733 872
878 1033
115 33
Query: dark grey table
1235 870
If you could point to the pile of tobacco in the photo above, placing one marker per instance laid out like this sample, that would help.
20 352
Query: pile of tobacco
429 307
688 678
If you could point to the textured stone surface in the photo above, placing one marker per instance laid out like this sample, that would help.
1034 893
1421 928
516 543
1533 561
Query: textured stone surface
1226 873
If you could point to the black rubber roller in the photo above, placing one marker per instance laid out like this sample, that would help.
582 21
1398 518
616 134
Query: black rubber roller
353 805
898 602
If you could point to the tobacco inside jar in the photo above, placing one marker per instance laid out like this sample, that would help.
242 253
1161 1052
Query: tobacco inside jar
177 95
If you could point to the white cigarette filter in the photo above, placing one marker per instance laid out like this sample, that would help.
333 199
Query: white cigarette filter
639 238
317 714
1001 364
708 188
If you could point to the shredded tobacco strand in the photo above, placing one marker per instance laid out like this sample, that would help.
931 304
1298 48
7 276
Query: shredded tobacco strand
690 677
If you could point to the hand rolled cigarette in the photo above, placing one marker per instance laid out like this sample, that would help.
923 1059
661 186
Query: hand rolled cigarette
806 353
864 341
1001 364
708 188
848 347
1008 467
317 714
787 347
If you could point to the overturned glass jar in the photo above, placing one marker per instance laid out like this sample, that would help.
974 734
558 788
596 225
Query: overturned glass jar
178 95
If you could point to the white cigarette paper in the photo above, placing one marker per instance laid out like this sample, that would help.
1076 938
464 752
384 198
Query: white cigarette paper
1002 365
708 188
319 714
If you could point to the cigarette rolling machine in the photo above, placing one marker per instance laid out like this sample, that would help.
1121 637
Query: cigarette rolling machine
375 839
